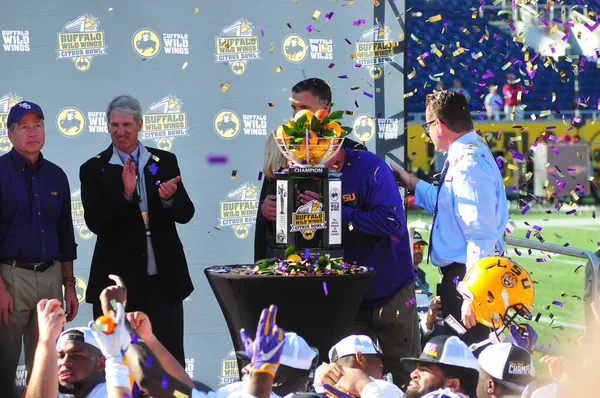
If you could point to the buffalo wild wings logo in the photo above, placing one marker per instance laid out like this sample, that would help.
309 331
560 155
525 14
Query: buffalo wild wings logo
146 43
308 218
387 129
81 41
321 49
7 101
294 48
70 122
229 370
375 49
236 45
164 122
227 124
96 122
15 40
363 128
239 209
77 214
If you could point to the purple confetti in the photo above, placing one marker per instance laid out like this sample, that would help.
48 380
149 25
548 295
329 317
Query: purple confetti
359 22
556 20
149 362
260 175
153 169
325 288
309 28
306 253
164 381
368 94
262 32
571 212
134 338
328 16
410 302
528 234
537 227
348 41
343 76
455 280
557 303
525 210
541 260
554 149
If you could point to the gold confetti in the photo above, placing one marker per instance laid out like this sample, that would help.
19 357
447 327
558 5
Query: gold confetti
224 87
519 95
233 174
435 18
271 104
474 15
412 74
451 71
110 9
225 44
465 30
376 3
478 55
277 69
574 195
533 117
545 184
528 176
512 167
316 15
410 94
458 52
415 38
506 65
435 79
179 394
545 113
271 48
349 113
554 28
196 10
185 64
515 139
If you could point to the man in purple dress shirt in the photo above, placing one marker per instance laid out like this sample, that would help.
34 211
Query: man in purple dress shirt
37 243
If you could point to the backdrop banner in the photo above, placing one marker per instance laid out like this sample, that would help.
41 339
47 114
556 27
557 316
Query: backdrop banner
214 78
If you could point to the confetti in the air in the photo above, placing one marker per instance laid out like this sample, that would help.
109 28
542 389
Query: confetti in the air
185 65
325 288
217 159
196 10
233 174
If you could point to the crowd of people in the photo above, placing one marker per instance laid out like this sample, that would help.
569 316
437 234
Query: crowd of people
133 197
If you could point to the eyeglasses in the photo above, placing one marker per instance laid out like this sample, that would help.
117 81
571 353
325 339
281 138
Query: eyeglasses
418 246
426 126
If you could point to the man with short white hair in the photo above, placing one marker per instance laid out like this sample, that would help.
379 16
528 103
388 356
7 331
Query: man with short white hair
504 371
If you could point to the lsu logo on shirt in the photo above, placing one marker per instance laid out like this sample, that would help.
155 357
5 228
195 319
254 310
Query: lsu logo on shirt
349 197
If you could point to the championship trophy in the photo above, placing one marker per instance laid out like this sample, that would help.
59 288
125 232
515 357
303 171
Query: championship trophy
308 141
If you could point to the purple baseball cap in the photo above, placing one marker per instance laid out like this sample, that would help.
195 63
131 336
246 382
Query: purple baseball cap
21 109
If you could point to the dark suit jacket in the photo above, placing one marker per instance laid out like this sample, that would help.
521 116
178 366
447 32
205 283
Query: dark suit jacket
121 237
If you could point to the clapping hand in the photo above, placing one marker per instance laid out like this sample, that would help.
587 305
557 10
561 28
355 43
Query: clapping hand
265 350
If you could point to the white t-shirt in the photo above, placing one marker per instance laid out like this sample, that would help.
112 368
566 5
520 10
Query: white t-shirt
233 390
98 392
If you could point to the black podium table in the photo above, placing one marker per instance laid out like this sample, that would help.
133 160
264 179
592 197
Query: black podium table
321 309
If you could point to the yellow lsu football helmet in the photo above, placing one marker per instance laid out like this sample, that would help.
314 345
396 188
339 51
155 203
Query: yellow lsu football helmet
497 286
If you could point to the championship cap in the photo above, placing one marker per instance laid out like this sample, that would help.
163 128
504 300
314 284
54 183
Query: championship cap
297 353
509 364
351 345
449 350
417 238
21 109
87 338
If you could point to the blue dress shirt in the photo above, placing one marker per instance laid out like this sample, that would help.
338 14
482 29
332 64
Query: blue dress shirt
35 211
472 209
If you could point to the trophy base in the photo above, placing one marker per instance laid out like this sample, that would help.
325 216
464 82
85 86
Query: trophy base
315 252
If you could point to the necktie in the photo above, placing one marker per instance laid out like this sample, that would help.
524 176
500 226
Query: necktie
137 176
435 209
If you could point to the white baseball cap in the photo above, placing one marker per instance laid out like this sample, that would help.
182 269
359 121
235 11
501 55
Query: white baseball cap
509 364
297 353
88 336
449 350
351 345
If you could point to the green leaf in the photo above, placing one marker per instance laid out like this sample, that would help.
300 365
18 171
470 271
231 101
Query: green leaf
288 130
336 115
347 129
315 125
328 133
325 120
298 140
290 250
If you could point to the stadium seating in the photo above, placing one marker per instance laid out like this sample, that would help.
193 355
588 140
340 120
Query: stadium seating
485 57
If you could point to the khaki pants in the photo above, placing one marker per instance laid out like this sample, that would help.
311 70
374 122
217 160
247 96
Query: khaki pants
26 288
396 327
